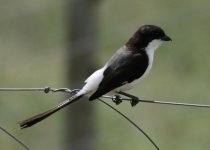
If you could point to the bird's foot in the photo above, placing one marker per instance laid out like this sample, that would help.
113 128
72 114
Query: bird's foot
117 99
134 100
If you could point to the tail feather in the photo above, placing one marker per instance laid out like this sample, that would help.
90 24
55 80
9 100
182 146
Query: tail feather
37 118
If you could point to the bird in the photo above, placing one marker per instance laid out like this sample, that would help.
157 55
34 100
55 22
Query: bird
127 66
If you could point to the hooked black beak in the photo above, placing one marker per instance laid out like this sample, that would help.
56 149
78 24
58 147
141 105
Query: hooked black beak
166 38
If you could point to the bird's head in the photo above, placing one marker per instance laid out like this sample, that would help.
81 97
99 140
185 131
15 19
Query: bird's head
146 35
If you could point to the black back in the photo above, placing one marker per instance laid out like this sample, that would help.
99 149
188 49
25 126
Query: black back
124 67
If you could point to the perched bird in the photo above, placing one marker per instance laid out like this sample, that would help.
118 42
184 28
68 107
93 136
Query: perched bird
131 63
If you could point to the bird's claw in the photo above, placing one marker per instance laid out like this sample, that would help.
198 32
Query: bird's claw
117 99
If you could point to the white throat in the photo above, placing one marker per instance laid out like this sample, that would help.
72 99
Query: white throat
150 49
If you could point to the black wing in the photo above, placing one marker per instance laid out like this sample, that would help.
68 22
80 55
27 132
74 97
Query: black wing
124 67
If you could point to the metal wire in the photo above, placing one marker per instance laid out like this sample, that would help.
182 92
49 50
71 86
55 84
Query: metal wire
13 137
22 89
45 90
163 102
133 123
49 89
66 90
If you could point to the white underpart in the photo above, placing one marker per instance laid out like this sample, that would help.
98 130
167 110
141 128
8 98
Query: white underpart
150 50
93 81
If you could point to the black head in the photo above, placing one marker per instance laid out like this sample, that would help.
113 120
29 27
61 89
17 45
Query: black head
145 34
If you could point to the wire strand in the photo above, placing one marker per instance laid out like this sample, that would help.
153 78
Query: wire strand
163 102
16 139
133 123
66 90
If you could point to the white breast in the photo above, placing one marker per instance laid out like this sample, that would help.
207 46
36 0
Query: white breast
150 50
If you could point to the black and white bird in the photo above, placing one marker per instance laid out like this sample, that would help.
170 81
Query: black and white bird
130 64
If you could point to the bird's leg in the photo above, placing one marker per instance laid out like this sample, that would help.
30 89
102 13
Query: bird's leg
117 99
134 100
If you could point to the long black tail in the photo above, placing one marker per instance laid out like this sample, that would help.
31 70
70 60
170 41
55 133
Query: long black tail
37 118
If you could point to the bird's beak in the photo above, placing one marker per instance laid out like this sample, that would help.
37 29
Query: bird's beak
166 38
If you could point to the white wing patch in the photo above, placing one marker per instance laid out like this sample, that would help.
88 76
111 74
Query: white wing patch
93 81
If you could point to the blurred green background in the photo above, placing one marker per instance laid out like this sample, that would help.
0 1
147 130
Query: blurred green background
32 54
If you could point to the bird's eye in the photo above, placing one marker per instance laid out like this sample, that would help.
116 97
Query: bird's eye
157 34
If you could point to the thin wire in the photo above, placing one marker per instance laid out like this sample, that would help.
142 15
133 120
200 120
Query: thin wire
176 103
49 89
133 123
164 102
22 89
45 89
16 139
